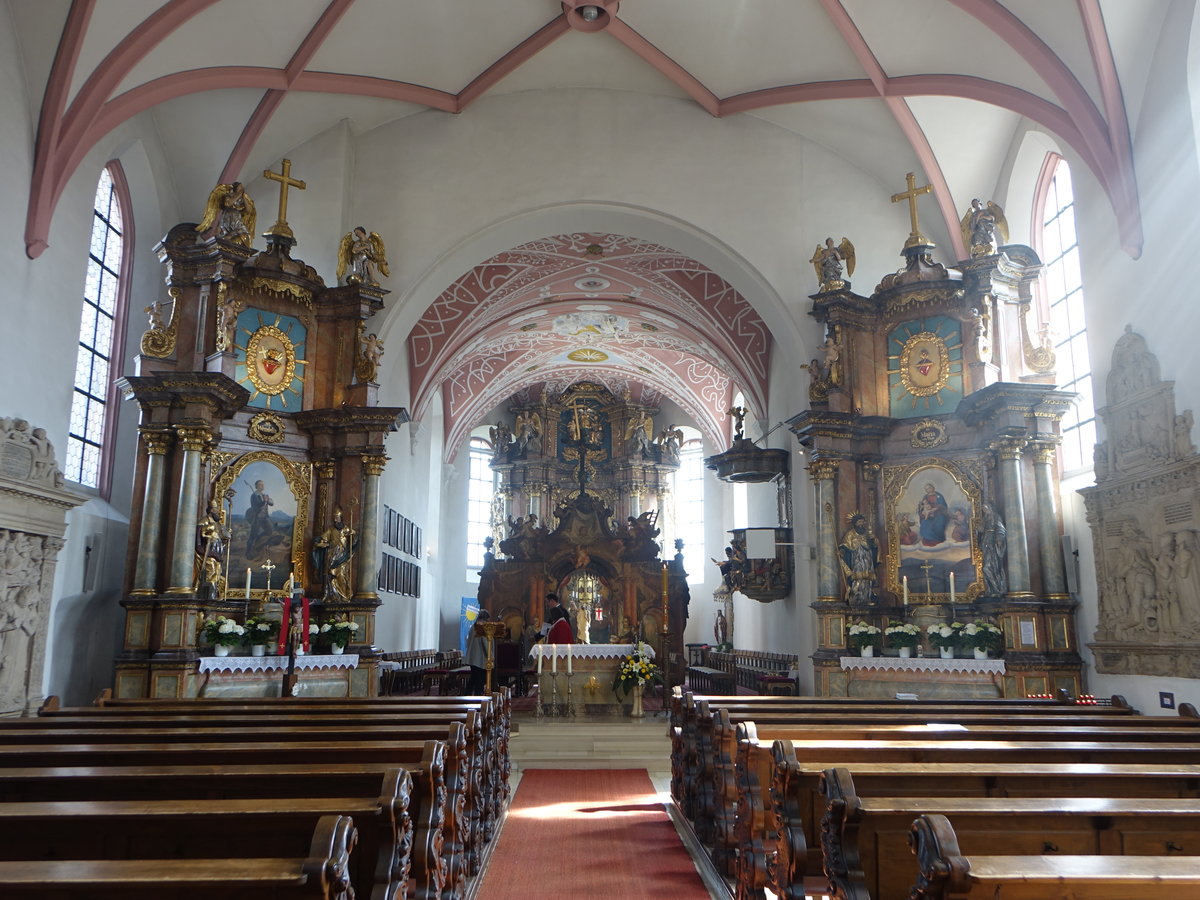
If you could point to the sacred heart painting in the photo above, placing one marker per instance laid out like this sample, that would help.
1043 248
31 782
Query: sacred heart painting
925 367
269 359
932 525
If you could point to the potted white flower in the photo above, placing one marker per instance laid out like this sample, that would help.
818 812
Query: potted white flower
945 637
338 634
260 633
983 637
224 634
862 636
903 636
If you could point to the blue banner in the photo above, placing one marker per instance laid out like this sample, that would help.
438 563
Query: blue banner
470 612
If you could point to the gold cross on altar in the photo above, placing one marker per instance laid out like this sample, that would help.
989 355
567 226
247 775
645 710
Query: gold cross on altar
915 237
285 180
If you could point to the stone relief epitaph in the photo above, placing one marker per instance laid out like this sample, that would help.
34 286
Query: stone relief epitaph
1143 513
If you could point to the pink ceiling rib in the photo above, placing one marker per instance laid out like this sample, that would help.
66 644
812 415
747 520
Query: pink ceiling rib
381 88
1118 123
667 66
904 118
514 59
851 89
54 101
270 102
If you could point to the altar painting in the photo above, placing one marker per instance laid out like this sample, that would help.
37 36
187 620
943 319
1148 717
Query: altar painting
266 502
932 526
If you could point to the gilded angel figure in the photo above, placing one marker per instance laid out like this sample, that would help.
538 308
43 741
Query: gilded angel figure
360 254
232 211
981 225
828 261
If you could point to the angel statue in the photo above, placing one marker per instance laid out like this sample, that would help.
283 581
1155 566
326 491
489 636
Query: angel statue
827 261
669 441
638 432
739 421
981 225
360 254
230 208
526 426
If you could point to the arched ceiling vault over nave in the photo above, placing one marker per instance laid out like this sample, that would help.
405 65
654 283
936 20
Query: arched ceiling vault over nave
273 75
628 313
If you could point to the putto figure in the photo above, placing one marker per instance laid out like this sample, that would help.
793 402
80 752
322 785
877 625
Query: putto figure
828 261
230 208
361 254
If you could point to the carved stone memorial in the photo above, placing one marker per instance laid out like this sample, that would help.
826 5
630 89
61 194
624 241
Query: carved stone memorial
1144 521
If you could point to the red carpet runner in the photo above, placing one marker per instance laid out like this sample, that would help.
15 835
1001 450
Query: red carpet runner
603 833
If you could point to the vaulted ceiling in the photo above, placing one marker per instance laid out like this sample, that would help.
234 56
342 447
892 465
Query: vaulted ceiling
939 86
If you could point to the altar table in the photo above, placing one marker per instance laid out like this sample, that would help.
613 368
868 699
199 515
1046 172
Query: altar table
595 669
319 675
930 678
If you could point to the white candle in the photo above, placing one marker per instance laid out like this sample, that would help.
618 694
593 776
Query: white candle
569 670
540 649
951 587
554 661
906 590
247 582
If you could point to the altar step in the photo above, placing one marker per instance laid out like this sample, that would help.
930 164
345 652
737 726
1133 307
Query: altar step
592 743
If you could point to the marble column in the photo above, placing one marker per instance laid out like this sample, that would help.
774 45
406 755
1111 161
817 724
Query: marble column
822 472
150 531
183 553
1009 450
1054 576
368 538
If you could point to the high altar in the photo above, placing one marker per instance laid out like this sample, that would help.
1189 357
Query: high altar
931 439
577 456
261 446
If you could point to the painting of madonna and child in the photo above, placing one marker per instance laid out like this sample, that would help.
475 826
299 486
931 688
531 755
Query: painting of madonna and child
933 526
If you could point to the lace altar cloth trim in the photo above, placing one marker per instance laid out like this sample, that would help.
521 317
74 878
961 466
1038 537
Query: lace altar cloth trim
924 664
587 651
276 663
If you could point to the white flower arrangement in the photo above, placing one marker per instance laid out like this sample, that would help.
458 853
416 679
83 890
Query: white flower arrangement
339 631
224 631
983 635
943 635
902 634
862 634
261 631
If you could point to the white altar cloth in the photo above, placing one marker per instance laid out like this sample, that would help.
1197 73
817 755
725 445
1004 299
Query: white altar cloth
924 664
277 663
586 651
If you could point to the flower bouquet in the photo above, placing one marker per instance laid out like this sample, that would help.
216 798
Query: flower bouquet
636 670
983 637
945 637
903 636
224 634
338 633
862 636
261 632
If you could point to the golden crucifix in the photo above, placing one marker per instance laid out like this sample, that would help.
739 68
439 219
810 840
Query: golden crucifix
915 238
285 180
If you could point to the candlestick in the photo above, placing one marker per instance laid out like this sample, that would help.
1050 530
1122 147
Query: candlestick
951 587
906 590
247 582
569 670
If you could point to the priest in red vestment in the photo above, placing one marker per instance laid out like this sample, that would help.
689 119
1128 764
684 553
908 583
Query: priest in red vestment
560 627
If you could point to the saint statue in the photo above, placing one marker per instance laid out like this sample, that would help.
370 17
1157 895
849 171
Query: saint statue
211 540
993 543
332 555
230 208
828 260
360 254
859 555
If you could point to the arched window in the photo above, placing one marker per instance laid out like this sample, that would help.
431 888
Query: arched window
105 290
1058 247
689 508
481 488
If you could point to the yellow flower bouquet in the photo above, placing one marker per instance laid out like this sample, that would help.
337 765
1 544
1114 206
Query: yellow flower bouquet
636 669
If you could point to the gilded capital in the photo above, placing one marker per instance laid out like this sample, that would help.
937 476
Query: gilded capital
1008 448
374 465
157 442
1043 452
193 437
324 469
822 469
871 470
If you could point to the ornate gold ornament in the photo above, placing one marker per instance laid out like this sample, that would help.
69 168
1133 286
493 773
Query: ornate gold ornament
1041 358
927 434
267 428
159 342
270 360
924 364
278 286
587 355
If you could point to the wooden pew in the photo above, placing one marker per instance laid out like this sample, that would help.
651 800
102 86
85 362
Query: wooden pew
323 874
216 829
798 803
944 873
441 838
865 837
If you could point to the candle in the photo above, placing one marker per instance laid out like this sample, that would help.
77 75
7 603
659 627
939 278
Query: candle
906 590
540 649
951 587
554 660
569 670
247 582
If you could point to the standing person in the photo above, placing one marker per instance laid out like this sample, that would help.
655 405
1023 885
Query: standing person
477 656
560 626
